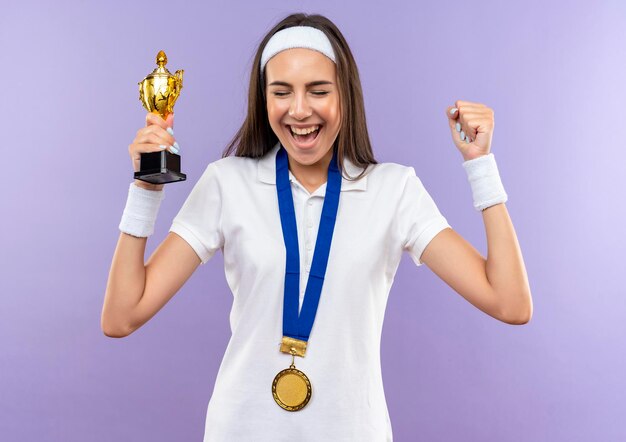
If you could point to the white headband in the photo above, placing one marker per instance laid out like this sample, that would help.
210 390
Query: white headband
297 37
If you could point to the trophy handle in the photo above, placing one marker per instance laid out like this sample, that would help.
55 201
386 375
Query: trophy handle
141 92
179 80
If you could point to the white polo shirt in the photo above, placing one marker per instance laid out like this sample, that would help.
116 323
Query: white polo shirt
234 207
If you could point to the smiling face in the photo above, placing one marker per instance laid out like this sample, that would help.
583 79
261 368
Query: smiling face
302 94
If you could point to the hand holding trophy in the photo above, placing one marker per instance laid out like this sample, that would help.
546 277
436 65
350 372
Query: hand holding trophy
158 163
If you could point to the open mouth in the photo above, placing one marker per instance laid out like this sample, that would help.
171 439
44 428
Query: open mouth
305 141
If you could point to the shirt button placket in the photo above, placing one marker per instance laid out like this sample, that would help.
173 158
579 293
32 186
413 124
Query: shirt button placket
308 230
309 234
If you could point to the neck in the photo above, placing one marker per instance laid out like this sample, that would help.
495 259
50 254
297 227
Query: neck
314 175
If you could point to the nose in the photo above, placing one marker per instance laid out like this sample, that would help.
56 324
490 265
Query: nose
299 107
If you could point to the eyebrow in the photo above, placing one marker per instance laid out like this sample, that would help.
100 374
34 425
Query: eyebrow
312 83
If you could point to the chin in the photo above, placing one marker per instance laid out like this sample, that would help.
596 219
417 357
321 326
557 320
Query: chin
308 157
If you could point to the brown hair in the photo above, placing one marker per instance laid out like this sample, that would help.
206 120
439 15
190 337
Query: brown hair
256 137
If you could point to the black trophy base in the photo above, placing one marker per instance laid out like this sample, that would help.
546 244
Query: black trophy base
160 168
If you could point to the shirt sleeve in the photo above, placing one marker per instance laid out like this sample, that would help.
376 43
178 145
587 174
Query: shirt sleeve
418 218
199 221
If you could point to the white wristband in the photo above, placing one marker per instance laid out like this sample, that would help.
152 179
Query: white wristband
142 206
484 178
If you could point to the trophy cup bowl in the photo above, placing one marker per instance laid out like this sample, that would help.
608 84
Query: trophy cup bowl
158 92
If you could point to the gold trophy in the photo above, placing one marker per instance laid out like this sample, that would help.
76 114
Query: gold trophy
158 93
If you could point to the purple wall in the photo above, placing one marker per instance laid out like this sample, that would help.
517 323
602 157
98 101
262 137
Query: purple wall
553 73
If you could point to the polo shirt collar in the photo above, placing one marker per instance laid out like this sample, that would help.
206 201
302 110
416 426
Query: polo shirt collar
266 171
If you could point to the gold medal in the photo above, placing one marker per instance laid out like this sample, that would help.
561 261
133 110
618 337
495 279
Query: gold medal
291 387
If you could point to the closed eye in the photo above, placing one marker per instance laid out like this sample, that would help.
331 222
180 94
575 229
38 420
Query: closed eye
318 93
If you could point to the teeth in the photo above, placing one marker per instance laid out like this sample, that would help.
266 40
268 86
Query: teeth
304 131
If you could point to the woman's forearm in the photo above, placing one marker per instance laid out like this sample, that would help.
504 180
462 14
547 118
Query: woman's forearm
505 265
125 285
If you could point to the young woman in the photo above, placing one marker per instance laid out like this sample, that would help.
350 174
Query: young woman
312 229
